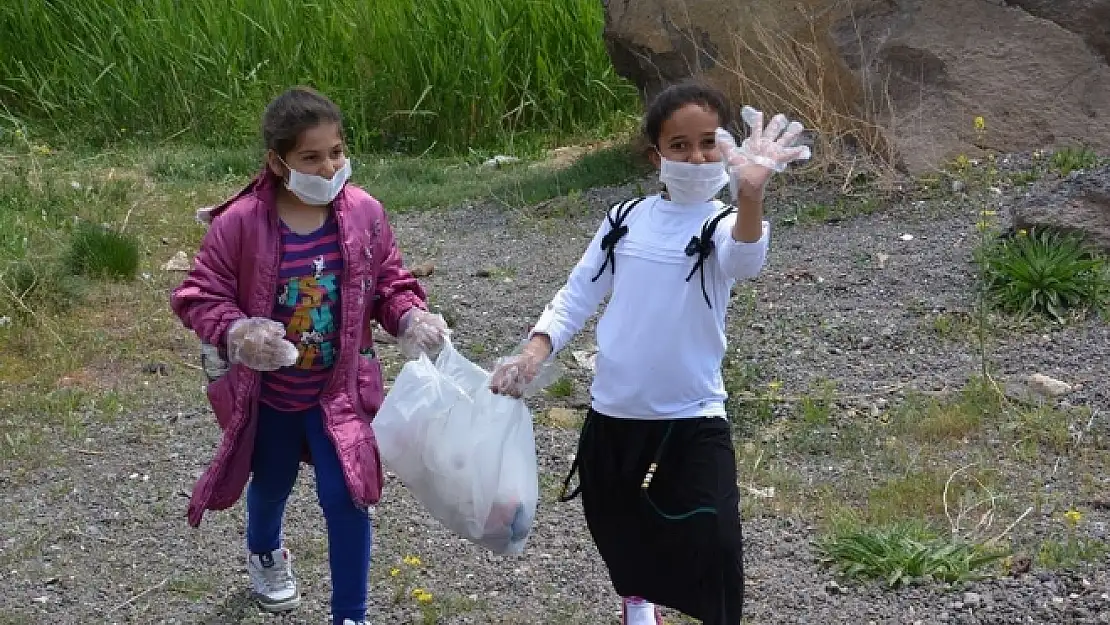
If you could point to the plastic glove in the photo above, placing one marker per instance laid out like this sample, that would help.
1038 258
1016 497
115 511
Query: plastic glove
767 150
259 343
523 373
421 332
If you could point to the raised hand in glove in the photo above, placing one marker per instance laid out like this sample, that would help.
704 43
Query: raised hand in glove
421 332
259 343
766 151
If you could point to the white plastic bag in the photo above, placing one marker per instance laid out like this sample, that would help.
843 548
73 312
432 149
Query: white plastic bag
468 455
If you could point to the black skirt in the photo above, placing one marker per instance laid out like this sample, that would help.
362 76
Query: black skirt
662 505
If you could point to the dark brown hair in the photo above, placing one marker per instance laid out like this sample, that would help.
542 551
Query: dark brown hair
676 96
293 112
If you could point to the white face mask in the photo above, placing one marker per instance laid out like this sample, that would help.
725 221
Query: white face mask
317 190
692 183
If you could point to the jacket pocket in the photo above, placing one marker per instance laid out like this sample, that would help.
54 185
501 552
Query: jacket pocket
368 383
363 468
222 398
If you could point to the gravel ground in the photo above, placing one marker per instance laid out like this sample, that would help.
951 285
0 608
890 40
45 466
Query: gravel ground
98 535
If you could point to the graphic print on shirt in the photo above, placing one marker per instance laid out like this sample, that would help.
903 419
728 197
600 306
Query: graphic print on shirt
308 306
312 299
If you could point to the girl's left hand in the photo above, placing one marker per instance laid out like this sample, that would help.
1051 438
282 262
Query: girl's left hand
422 332
767 150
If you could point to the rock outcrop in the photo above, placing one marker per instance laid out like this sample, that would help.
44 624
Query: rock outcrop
916 72
1079 203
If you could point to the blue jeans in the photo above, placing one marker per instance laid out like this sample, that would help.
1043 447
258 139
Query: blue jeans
277 456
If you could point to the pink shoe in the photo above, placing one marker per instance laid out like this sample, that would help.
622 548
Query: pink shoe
637 603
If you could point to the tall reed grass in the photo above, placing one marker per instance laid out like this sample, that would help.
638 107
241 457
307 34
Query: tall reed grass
412 76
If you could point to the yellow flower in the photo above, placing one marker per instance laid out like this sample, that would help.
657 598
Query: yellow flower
394 572
1023 232
983 226
1073 516
962 161
41 150
980 123
421 595
774 386
988 213
412 560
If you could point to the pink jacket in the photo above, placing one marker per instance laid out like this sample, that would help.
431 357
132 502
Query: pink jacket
235 275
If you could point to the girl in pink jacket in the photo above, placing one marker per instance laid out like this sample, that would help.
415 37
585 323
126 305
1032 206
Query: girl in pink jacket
287 280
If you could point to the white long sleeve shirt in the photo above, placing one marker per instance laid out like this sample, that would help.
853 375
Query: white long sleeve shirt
660 347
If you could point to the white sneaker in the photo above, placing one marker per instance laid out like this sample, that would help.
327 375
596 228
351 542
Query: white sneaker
272 580
348 621
639 612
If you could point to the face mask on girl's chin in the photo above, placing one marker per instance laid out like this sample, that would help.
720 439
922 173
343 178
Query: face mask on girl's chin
317 190
692 183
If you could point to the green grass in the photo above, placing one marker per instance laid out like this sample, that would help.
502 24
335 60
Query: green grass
953 325
816 213
816 408
904 554
33 225
55 234
920 496
26 288
937 421
409 76
561 388
1071 552
404 183
205 165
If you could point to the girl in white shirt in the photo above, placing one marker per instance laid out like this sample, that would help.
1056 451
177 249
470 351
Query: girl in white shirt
656 465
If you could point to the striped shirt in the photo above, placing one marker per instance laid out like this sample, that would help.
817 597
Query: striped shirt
308 307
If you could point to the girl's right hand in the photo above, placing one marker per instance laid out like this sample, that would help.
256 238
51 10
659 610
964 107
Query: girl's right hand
259 343
513 374
767 150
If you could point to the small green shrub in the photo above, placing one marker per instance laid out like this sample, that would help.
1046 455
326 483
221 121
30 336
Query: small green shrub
816 409
1024 178
1071 159
1045 273
98 252
562 388
904 554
